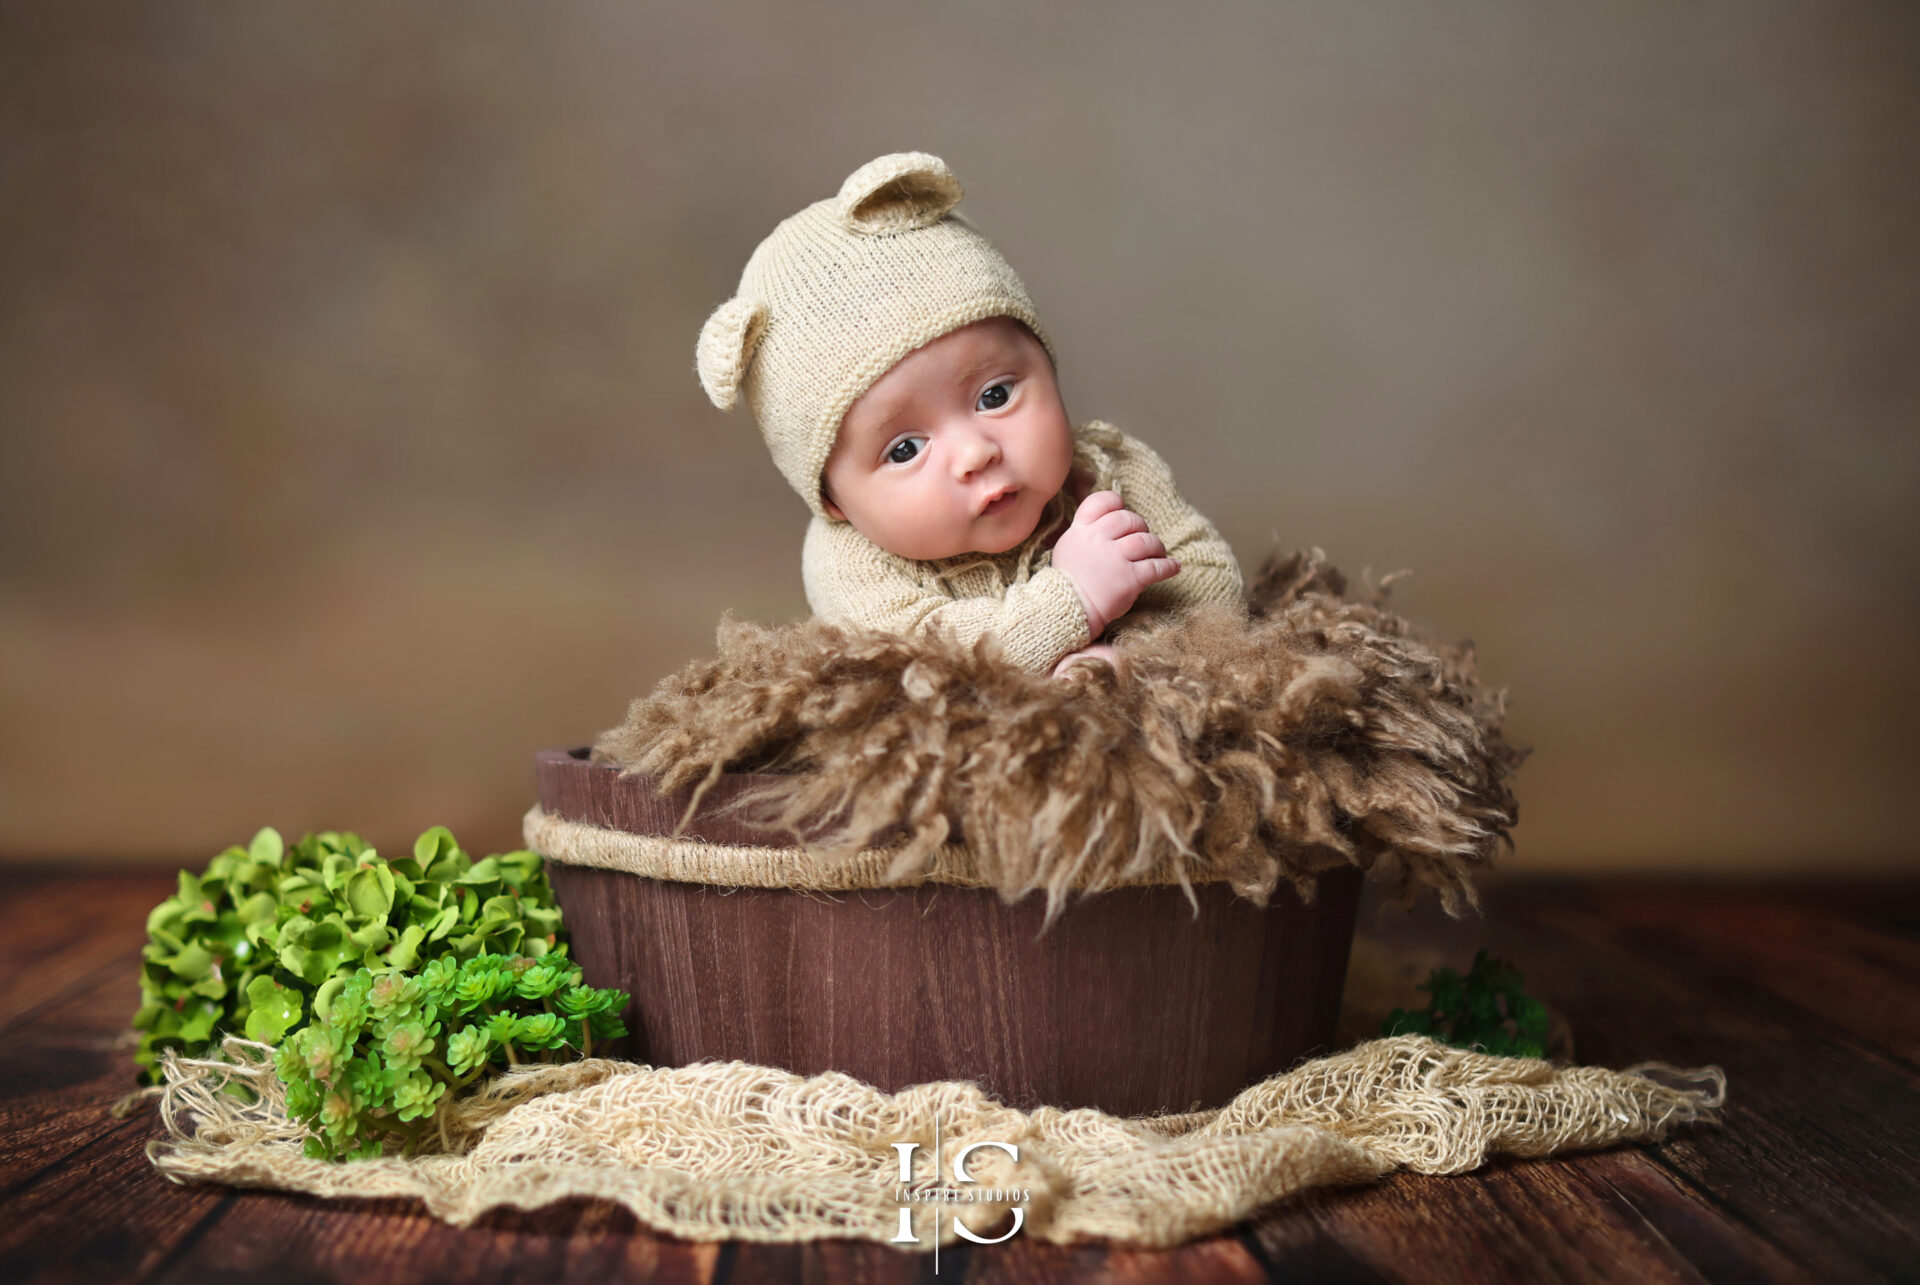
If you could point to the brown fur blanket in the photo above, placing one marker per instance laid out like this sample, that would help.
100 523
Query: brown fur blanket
1316 731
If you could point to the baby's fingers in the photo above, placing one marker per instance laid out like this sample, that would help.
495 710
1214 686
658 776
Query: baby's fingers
1120 522
1153 570
1143 544
1097 506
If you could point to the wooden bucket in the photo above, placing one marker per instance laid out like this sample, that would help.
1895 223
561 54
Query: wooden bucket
1128 1002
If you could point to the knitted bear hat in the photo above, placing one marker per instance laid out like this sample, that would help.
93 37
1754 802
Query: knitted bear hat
840 292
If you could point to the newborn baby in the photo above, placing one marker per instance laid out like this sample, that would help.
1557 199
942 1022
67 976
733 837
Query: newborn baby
906 390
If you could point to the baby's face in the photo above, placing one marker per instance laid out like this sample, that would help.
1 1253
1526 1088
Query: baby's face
956 449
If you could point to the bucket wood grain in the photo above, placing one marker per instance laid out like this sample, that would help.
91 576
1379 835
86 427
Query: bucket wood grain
1129 1002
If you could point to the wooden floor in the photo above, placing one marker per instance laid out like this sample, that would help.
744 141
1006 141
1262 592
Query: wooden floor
1808 996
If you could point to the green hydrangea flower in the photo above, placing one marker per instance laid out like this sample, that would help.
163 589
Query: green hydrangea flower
260 942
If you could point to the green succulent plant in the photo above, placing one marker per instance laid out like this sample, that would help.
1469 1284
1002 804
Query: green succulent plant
381 1055
250 944
1488 1009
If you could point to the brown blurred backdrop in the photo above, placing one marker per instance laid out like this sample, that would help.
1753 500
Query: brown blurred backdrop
352 447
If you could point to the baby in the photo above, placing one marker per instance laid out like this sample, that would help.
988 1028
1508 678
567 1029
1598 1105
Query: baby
906 390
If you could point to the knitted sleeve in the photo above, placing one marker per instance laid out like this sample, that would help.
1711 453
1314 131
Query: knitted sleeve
1208 570
852 581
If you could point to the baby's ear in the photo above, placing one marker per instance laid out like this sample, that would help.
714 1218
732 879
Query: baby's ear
898 193
726 347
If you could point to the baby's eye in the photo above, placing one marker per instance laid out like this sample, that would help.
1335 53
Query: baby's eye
994 398
904 450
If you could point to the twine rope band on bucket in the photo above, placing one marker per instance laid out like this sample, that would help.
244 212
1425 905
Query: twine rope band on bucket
733 865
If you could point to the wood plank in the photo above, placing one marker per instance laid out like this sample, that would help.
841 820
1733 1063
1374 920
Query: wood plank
101 1213
69 930
1821 1144
265 1235
62 1064
1506 1222
1636 1183
744 1263
59 904
79 1038
1217 1258
1805 953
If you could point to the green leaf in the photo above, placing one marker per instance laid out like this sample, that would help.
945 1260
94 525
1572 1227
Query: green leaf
275 1009
336 869
163 917
406 952
323 998
193 962
299 885
370 892
330 944
1485 1009
483 872
443 923
266 846
434 844
257 908
198 1025
370 937
298 960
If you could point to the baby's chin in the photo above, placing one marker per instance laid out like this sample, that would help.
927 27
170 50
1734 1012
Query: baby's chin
973 543
1003 544
1014 535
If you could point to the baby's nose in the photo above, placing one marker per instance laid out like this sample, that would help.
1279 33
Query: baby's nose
973 451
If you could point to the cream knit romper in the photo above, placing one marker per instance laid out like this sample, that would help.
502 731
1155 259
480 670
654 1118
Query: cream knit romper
1019 597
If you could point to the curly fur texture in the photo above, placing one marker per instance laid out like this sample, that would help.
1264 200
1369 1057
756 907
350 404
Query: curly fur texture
1317 731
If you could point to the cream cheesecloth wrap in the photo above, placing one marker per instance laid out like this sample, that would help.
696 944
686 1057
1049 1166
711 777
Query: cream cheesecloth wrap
733 1151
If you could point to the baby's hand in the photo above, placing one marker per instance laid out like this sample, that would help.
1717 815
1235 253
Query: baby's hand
1092 651
1110 556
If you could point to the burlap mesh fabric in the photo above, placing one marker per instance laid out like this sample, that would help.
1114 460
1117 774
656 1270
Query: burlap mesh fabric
734 1151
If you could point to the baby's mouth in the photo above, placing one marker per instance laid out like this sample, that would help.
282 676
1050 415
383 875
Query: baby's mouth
1000 502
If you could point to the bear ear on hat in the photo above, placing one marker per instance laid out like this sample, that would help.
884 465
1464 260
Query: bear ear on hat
726 347
898 193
